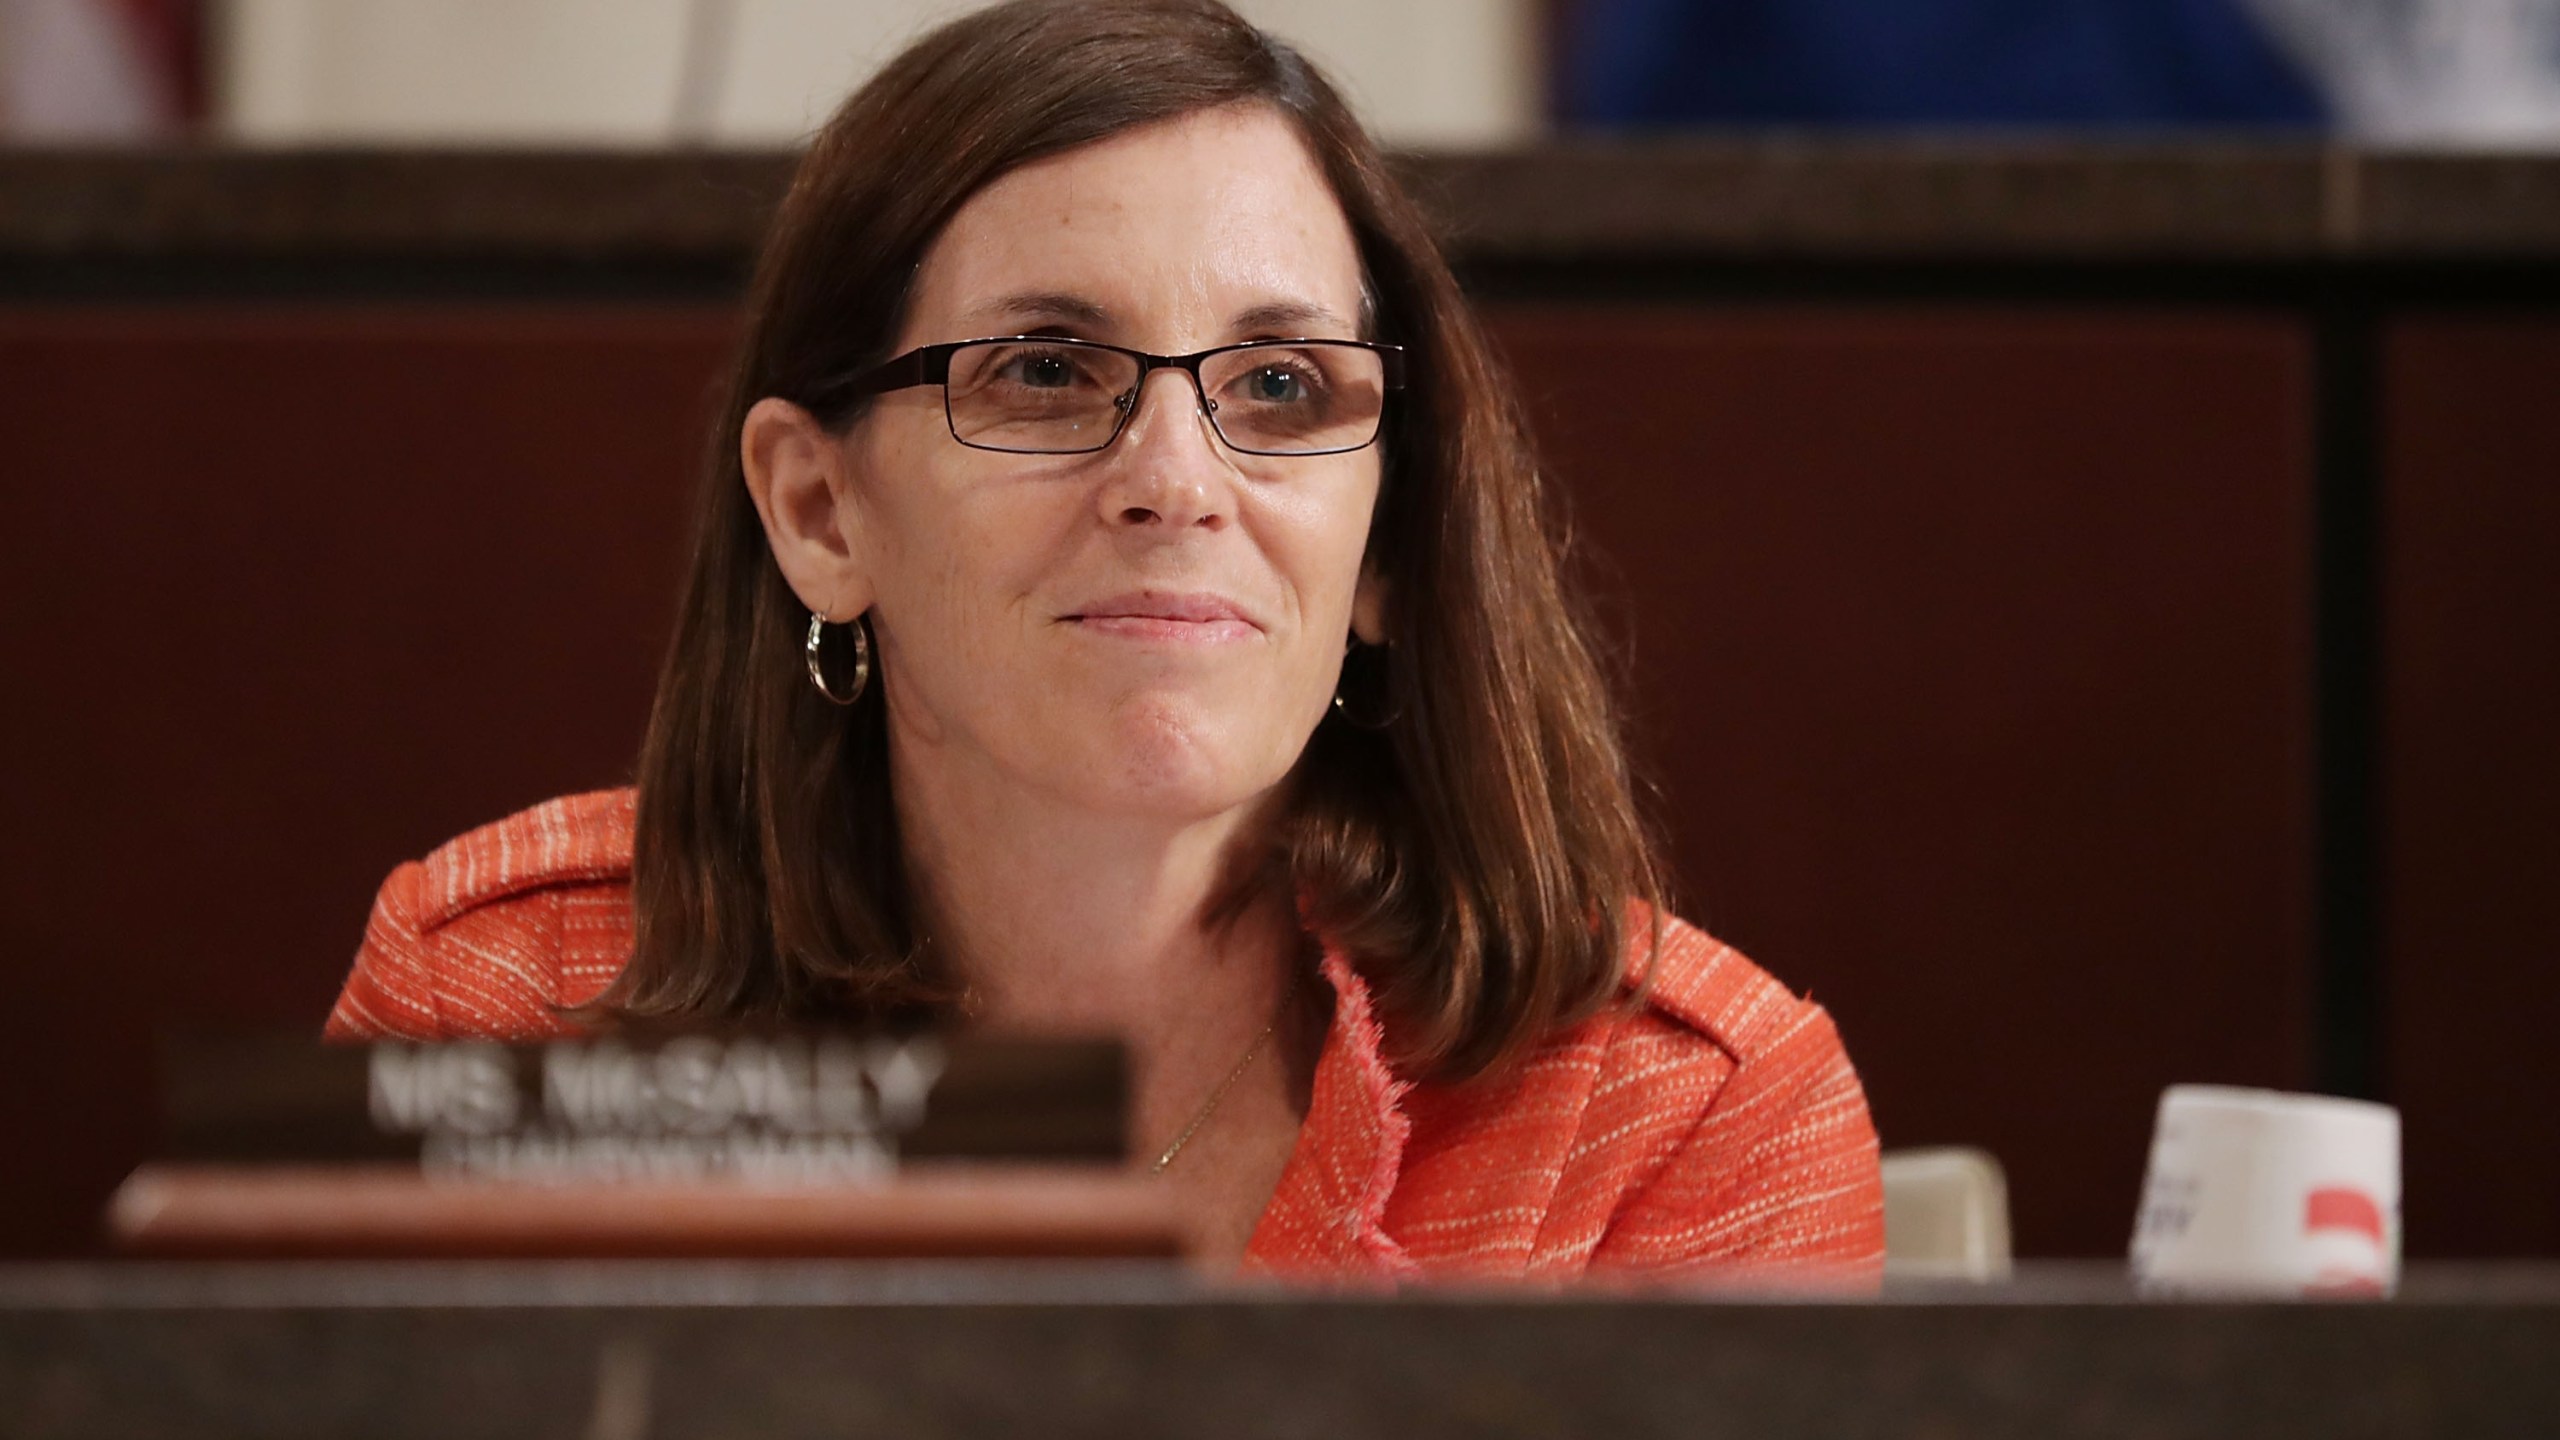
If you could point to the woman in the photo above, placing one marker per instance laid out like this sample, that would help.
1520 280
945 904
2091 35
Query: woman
1124 602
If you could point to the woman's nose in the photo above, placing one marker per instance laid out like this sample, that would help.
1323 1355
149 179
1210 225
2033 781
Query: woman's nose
1168 468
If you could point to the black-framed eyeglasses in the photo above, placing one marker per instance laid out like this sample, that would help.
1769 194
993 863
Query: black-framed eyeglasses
1050 395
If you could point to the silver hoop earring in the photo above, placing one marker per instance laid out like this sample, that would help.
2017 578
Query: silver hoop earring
861 658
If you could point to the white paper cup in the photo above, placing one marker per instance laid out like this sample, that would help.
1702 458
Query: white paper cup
2260 1192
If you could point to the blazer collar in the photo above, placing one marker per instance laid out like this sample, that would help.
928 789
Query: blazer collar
1327 1216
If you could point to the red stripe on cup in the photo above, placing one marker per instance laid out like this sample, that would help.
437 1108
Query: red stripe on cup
2337 1207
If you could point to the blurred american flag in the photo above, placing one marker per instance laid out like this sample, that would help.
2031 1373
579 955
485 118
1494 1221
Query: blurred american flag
100 70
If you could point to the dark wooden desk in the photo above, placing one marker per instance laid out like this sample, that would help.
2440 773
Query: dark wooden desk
714 1348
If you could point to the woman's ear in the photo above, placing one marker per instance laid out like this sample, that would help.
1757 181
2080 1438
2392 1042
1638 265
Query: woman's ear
797 475
1369 608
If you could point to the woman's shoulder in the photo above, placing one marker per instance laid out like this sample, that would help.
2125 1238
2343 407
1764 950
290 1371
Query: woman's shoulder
573 840
1704 1034
1694 986
1771 1156
498 928
1715 1117
1724 1041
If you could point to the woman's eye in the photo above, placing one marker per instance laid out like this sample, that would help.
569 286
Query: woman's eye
1272 385
1044 372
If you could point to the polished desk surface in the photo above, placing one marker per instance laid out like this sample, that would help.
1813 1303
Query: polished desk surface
702 1348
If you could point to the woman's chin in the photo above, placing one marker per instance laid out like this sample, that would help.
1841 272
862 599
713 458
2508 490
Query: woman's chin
1175 761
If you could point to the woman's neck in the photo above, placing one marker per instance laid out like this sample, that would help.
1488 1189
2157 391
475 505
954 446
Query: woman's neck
1058 918
1061 920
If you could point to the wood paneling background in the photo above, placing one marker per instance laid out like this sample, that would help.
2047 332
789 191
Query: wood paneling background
1971 651
298 593
2471 776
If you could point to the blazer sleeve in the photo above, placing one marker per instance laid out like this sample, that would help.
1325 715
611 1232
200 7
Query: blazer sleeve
391 991
1781 1172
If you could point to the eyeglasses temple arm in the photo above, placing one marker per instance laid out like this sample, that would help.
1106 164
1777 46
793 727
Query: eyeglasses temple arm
927 365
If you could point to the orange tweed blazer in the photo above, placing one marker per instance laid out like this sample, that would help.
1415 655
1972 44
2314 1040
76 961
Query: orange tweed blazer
1717 1126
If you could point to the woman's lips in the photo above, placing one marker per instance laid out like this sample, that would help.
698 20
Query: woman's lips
1179 619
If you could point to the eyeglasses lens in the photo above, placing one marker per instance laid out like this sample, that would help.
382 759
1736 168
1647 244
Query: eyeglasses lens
1295 399
1031 398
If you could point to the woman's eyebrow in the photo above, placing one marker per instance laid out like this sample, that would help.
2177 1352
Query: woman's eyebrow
1287 315
1040 307
1035 308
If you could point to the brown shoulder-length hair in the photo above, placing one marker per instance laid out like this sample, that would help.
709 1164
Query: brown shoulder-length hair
1475 853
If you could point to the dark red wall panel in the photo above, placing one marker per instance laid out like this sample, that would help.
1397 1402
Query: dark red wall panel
1971 651
2471 777
297 594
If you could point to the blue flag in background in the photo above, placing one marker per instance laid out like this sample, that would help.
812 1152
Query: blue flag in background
1883 63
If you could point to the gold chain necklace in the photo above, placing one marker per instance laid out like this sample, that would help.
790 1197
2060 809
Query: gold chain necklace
1210 1106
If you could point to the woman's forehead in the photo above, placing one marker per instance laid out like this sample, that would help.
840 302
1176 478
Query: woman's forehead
1218 219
